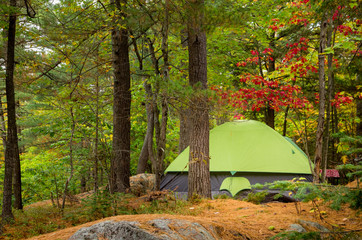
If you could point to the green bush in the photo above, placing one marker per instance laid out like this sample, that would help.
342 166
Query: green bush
336 196
222 196
297 236
256 197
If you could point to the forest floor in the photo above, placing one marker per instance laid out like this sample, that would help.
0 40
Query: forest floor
256 221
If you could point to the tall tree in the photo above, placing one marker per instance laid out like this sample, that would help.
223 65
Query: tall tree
199 174
321 74
12 150
120 164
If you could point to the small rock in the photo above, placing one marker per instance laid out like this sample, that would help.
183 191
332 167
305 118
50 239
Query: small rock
296 228
307 224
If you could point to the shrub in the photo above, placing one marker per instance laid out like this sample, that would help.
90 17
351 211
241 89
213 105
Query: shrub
256 197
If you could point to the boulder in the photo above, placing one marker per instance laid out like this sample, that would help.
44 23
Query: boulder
158 229
111 230
142 183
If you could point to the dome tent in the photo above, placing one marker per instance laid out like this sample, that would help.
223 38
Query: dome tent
242 153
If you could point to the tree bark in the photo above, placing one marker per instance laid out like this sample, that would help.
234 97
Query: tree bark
70 159
155 97
199 173
270 116
96 140
184 113
285 121
269 111
359 115
320 127
2 125
145 152
18 202
12 149
120 164
162 126
330 90
185 129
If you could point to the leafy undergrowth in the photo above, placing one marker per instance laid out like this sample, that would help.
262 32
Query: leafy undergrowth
230 217
43 217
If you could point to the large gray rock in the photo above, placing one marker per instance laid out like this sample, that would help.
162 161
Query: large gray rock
110 230
163 229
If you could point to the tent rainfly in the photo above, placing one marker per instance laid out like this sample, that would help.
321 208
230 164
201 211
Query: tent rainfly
242 153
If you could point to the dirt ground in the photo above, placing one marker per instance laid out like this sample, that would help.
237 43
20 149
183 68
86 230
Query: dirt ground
254 221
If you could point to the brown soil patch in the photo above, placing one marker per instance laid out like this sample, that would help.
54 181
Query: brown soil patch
246 218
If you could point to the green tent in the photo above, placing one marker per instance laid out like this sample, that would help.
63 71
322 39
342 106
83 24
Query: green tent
247 150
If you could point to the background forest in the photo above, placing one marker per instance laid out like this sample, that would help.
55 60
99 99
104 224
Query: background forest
264 62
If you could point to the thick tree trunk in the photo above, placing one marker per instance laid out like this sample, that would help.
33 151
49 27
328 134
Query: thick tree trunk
270 117
12 149
120 167
199 173
185 129
320 127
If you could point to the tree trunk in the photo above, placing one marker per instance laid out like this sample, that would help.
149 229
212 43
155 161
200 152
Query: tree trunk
161 141
144 155
160 127
270 116
120 167
270 112
330 90
145 152
320 127
285 121
2 125
12 149
359 115
162 131
199 173
184 114
83 184
185 129
70 159
96 140
18 203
